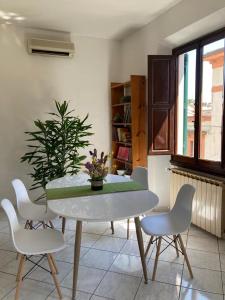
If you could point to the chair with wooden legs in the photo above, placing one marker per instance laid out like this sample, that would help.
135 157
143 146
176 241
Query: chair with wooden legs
168 227
140 175
29 211
43 242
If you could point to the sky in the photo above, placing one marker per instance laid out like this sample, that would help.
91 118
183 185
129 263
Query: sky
207 71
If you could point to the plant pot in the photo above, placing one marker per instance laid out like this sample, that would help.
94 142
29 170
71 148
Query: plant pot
96 185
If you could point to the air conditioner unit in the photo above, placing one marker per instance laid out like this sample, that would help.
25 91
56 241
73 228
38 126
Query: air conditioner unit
50 47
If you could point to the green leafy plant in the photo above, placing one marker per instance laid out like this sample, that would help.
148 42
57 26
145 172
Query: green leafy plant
55 145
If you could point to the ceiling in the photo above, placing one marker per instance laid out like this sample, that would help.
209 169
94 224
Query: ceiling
110 19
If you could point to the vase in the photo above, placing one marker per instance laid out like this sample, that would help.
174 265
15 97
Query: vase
96 185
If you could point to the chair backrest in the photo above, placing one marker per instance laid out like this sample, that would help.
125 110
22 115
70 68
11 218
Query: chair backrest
140 175
12 217
22 198
182 210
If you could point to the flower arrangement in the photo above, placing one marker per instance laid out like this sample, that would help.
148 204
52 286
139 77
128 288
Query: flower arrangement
97 169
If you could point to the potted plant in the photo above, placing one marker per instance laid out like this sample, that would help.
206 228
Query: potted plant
55 145
97 170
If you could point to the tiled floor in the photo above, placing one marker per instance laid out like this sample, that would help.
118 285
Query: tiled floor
110 267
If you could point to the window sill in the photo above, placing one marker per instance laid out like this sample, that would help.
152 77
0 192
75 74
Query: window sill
207 168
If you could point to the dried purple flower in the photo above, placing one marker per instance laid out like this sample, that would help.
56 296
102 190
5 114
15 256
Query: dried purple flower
96 168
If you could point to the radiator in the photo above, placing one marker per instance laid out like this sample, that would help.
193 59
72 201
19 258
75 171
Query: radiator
207 209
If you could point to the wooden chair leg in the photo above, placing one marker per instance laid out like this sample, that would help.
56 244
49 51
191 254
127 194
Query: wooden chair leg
156 257
128 229
19 276
112 227
54 264
20 266
149 245
185 255
176 245
54 276
51 224
31 225
44 225
63 224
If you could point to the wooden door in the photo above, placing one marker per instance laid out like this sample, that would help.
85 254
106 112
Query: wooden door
161 104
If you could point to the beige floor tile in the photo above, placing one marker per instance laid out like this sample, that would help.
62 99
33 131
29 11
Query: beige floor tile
221 245
71 225
6 257
131 248
98 259
12 266
87 239
4 237
88 279
41 275
7 283
3 226
94 297
169 254
121 230
32 290
190 294
223 280
203 259
222 260
67 293
125 270
118 286
166 272
205 280
69 236
109 244
97 228
6 243
157 291
127 264
196 231
67 254
204 244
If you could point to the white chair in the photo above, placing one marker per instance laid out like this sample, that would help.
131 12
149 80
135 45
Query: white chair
28 210
42 242
140 175
171 224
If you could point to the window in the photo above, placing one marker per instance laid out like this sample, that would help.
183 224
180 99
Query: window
212 101
186 103
199 129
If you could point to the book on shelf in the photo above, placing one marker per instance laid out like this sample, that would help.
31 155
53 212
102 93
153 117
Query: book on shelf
127 114
124 153
123 134
114 134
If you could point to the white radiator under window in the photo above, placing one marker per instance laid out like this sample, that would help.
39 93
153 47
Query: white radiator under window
207 209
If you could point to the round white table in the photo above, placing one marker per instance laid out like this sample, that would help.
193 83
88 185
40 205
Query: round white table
101 208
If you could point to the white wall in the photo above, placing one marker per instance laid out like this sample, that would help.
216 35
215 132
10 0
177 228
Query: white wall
182 23
29 84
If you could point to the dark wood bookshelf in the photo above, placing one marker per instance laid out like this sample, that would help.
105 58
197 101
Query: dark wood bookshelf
121 124
134 112
121 104
123 161
120 85
123 143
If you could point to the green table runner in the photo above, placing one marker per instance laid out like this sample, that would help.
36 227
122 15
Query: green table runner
85 190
